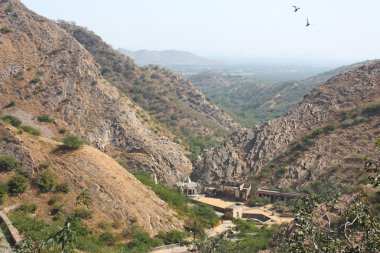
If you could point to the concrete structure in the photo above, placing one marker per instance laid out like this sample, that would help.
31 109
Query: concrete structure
233 212
210 191
188 188
231 209
277 195
238 190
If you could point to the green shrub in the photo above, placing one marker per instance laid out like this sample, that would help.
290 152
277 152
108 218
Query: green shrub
8 163
54 200
141 242
30 130
108 238
80 228
17 184
63 187
12 120
5 30
35 80
72 142
83 214
57 212
174 236
3 193
46 181
104 225
62 131
11 104
372 110
44 118
24 208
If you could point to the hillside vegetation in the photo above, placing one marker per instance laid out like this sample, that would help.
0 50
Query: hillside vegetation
250 100
171 100
53 85
323 139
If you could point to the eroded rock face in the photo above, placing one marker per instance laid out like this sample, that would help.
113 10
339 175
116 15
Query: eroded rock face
248 151
45 70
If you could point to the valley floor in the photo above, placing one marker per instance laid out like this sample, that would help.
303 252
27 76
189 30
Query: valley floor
263 210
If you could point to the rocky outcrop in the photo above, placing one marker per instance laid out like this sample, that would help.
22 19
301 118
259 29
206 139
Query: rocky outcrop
248 151
44 70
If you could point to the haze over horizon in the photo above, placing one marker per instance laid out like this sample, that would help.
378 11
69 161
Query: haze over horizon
343 32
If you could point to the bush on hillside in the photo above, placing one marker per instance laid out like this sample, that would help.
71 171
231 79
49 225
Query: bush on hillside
12 120
24 208
8 163
17 184
72 142
46 181
174 236
3 193
63 187
141 241
30 130
108 238
83 214
44 118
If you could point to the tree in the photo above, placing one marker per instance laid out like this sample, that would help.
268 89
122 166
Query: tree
84 198
358 230
64 238
73 142
216 244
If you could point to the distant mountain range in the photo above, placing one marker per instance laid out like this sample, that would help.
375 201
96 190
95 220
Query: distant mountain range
167 58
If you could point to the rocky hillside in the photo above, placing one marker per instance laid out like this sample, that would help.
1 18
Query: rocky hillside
252 101
171 100
115 193
43 70
166 57
326 136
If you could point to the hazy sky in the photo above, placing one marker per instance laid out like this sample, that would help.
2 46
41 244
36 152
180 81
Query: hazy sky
343 31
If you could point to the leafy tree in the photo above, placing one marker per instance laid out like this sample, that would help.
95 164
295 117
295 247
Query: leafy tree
73 142
65 238
217 244
357 231
84 198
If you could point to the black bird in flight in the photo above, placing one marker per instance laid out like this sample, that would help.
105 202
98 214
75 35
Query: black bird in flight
307 22
296 8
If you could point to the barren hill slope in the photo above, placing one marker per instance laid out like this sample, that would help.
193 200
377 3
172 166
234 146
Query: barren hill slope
43 70
115 193
170 99
335 122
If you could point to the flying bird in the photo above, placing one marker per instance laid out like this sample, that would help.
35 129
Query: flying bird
296 8
307 22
